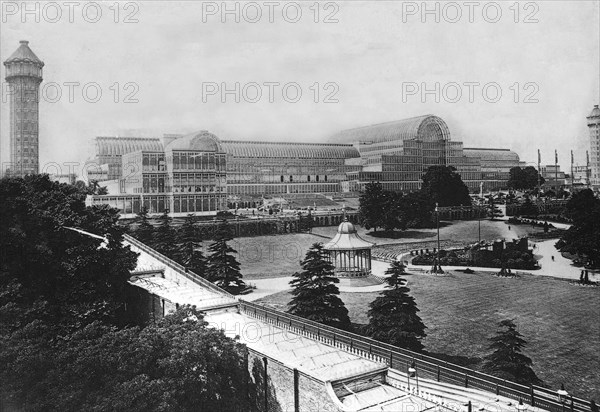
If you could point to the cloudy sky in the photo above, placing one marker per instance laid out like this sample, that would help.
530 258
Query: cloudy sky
355 63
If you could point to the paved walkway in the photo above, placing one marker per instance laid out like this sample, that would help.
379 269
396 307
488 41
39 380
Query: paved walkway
269 286
560 267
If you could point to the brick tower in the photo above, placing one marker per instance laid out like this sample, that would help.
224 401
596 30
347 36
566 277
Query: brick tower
24 75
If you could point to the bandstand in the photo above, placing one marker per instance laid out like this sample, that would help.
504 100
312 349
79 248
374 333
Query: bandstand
348 252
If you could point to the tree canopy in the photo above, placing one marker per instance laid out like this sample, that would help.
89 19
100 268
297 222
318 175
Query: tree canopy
223 269
190 253
66 341
393 210
444 186
315 294
51 273
176 364
524 178
372 205
583 237
393 316
506 361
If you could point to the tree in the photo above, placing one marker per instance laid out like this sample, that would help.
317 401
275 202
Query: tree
177 364
394 213
524 178
393 316
371 206
583 237
144 231
417 209
223 269
528 208
443 185
306 223
315 294
165 238
506 361
53 274
191 255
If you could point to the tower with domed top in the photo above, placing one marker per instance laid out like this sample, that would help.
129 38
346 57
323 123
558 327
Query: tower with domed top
593 122
24 75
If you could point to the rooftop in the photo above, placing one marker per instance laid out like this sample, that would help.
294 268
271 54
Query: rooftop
24 55
426 128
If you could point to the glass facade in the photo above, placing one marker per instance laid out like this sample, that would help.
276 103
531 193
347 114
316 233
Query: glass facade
197 172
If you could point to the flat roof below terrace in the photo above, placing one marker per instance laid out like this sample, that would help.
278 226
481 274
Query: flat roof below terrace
322 362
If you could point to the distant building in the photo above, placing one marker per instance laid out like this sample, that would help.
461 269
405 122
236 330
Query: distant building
553 176
23 75
581 175
593 122
397 153
198 172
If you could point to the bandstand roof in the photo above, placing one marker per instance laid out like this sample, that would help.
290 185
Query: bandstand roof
347 239
426 128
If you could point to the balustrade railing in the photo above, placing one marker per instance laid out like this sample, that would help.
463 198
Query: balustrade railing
427 366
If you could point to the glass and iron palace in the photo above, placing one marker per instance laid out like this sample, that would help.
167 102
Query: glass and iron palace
200 173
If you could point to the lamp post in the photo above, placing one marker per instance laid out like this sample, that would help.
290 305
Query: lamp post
412 373
437 268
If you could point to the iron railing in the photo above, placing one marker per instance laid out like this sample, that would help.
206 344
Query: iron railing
427 366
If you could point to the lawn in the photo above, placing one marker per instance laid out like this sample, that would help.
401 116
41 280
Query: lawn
561 322
272 256
280 255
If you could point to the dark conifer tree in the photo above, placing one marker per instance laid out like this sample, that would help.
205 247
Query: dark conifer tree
223 269
393 315
145 231
190 253
165 237
506 361
316 296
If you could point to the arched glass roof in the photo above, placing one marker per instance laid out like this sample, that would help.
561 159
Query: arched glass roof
426 128
114 146
201 141
255 149
491 154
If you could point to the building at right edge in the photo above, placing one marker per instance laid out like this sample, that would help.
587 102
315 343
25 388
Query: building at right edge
593 122
397 153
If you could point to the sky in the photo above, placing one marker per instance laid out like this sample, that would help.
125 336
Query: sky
503 74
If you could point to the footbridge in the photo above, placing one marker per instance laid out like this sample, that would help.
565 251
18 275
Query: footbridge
301 365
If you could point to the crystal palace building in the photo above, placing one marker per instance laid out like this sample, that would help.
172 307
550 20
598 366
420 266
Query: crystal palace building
199 173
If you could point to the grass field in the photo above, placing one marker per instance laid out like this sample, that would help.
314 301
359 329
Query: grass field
280 255
561 322
272 256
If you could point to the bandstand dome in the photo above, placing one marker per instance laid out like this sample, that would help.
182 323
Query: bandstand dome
348 252
347 239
